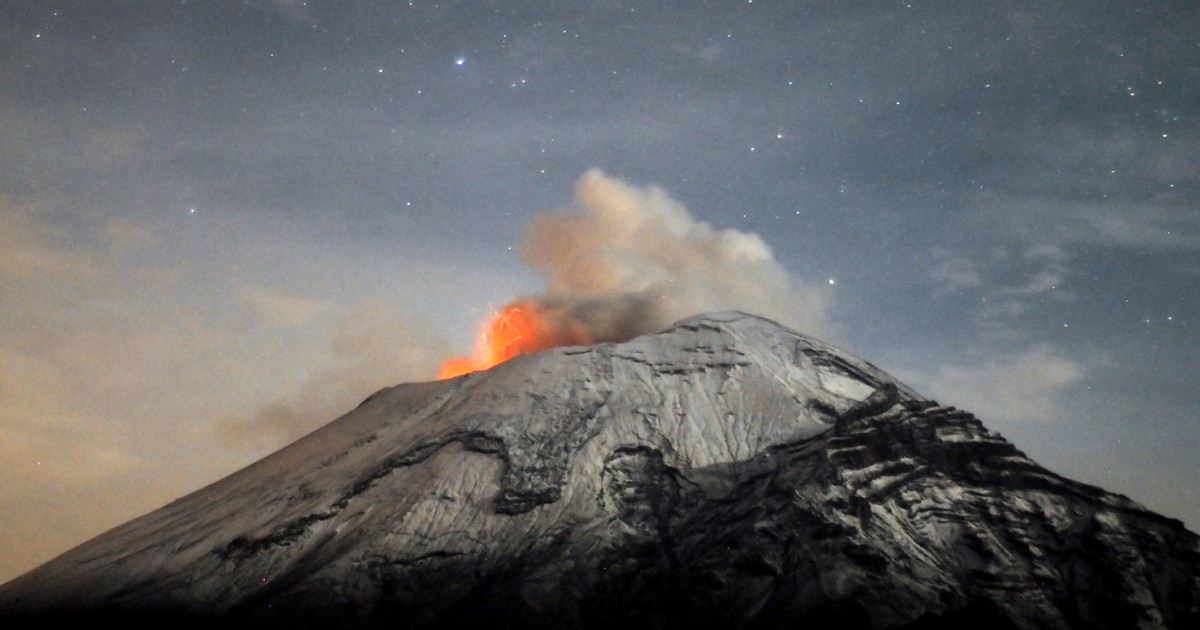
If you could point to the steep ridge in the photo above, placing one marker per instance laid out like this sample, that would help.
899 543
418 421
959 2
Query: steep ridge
724 472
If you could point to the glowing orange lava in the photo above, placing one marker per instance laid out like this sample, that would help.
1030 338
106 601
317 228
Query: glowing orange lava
512 331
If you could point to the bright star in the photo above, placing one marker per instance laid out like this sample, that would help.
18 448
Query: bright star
458 61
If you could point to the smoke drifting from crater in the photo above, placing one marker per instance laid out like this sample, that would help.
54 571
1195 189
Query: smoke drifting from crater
632 260
629 260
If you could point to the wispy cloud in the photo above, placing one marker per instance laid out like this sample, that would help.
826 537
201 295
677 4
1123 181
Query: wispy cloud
369 348
1017 387
30 247
123 236
953 273
1166 222
283 309
109 353
1004 283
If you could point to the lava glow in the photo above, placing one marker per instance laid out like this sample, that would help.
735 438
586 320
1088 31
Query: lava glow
515 330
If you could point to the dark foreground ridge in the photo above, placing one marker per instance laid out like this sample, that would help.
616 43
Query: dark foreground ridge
727 472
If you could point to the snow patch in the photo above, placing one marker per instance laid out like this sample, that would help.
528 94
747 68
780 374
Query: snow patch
841 385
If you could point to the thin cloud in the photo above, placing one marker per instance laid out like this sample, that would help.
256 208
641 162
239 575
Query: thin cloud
371 347
1004 284
1015 388
1168 222
952 273
283 309
31 247
126 236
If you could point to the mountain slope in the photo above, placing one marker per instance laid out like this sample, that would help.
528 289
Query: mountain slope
727 471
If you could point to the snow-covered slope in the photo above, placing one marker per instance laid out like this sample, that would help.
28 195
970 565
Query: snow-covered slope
726 470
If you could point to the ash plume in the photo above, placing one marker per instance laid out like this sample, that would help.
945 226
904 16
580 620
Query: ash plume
629 260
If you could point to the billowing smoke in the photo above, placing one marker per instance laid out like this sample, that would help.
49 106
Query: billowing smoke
630 260
622 261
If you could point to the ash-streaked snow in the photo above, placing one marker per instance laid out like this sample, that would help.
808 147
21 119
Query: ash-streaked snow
724 470
710 390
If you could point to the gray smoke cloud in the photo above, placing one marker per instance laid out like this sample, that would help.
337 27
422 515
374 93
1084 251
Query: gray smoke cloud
629 260
621 261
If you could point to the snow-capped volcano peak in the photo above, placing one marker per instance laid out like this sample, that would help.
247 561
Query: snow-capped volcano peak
820 368
724 470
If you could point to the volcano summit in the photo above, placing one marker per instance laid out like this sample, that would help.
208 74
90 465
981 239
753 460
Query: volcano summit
725 472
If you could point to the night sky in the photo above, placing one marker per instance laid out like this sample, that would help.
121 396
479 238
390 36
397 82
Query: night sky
223 224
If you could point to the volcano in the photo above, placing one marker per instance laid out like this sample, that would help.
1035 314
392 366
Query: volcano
724 472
